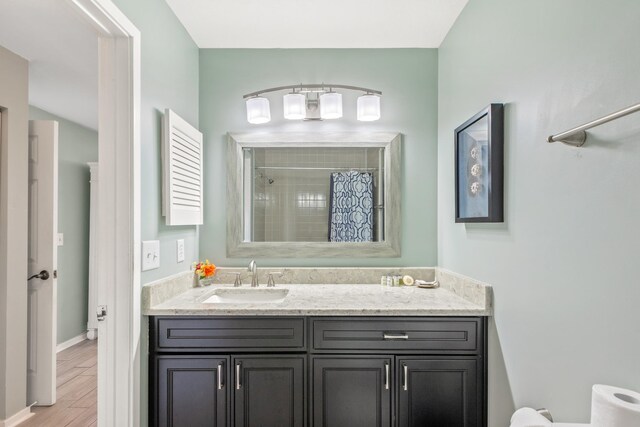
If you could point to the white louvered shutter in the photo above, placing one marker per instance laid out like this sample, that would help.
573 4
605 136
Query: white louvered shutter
182 171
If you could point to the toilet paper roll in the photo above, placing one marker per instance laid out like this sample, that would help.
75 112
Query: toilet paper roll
614 407
528 417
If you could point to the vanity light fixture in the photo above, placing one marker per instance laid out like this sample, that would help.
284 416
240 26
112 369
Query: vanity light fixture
312 102
258 110
368 107
294 106
330 105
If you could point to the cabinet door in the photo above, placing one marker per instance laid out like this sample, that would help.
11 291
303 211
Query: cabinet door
269 391
439 392
352 391
192 391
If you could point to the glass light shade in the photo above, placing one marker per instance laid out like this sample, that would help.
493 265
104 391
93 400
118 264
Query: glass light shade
368 108
330 105
294 106
258 110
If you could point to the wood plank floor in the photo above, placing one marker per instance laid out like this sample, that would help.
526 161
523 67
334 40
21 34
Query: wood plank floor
76 390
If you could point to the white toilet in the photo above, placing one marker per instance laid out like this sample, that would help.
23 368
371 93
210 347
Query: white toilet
610 407
529 417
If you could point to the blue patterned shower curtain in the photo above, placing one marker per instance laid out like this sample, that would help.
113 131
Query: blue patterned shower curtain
351 207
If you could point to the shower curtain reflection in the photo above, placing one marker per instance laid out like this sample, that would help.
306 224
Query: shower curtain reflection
351 208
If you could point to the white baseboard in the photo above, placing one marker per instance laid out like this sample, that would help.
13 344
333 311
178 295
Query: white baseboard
69 343
18 418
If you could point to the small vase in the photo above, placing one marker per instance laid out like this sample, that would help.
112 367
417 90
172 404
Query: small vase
205 281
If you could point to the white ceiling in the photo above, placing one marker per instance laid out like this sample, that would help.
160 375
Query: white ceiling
62 47
63 56
317 24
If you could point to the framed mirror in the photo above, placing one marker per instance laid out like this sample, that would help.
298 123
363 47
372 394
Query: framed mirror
309 195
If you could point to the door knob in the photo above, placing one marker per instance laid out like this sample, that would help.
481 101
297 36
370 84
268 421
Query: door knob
43 275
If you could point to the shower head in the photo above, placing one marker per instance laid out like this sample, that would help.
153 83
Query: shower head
264 178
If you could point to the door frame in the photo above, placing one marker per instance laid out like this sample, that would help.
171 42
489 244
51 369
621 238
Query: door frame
118 239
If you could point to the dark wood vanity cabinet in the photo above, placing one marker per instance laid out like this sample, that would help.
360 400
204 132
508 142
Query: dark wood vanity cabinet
351 391
269 390
228 371
357 392
437 391
318 371
191 391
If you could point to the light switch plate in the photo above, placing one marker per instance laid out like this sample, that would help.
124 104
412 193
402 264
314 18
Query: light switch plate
60 239
150 254
180 250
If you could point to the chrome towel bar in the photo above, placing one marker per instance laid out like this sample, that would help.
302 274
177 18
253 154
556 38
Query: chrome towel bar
577 136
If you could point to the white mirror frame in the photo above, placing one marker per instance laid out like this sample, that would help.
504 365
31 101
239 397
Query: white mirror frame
237 247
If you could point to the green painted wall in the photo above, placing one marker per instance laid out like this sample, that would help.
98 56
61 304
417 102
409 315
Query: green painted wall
408 80
77 145
564 263
169 80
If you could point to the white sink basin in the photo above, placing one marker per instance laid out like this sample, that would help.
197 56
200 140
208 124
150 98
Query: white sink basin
247 296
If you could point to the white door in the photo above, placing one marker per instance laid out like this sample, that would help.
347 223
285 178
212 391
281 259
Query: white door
43 231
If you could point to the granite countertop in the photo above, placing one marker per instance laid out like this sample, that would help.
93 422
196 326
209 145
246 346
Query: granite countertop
328 300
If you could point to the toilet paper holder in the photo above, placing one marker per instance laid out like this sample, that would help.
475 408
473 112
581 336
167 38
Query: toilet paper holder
545 413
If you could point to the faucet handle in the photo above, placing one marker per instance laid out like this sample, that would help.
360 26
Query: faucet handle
271 282
238 277
238 282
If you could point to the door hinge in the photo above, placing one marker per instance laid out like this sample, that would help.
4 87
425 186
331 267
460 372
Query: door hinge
101 312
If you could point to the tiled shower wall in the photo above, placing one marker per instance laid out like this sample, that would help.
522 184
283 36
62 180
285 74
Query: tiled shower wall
259 205
293 205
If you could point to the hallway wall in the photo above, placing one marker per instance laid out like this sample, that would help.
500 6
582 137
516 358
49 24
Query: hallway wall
14 74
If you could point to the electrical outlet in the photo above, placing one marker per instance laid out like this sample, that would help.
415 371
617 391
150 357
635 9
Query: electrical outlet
150 254
180 250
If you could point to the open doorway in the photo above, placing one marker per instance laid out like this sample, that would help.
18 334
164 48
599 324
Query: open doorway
62 50
59 228
118 239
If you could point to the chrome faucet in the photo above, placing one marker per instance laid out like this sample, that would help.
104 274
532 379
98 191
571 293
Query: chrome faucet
253 268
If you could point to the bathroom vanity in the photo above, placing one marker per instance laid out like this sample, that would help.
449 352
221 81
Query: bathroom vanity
328 355
318 371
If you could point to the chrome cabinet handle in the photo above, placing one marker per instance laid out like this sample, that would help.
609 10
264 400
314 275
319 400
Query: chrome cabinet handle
220 383
395 337
404 378
386 376
238 385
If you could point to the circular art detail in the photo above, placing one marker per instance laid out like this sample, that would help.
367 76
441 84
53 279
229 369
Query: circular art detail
475 188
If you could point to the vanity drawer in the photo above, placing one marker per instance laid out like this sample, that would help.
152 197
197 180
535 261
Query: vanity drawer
202 334
451 335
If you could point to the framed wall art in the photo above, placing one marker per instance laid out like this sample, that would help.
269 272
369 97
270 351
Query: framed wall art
478 168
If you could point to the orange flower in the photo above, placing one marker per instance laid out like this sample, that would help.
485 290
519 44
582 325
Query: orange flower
204 269
209 270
